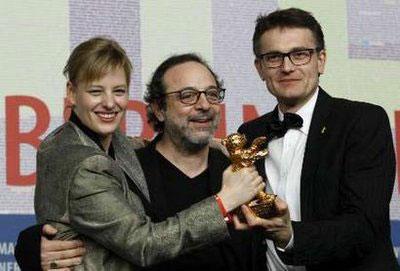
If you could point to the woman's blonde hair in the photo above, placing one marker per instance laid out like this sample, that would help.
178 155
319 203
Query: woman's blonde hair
93 58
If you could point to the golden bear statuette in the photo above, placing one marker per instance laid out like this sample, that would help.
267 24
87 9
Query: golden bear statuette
264 204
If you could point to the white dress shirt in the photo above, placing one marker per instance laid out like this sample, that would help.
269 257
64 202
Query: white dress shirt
283 167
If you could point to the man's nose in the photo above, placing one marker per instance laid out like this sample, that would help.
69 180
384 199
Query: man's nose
287 64
203 103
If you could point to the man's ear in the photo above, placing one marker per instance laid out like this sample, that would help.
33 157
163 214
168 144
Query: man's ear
258 65
321 61
71 94
158 112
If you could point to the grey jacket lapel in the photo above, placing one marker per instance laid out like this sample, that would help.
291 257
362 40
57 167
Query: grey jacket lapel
124 154
83 138
126 158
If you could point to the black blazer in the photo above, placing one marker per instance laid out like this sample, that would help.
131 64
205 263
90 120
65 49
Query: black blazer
346 185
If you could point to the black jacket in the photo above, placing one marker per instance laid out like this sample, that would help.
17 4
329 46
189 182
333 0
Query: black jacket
346 185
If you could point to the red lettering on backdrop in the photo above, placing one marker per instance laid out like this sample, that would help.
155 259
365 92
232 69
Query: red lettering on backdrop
221 130
397 139
140 107
14 138
249 112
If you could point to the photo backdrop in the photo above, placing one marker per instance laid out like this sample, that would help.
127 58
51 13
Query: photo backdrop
36 37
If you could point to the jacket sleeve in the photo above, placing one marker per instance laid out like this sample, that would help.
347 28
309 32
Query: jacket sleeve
102 207
27 250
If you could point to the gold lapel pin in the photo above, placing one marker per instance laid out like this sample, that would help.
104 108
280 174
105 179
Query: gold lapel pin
323 130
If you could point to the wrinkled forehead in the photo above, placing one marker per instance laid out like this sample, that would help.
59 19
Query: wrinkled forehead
189 74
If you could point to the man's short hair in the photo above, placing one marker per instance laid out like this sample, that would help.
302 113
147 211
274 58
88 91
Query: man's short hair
93 58
156 87
287 18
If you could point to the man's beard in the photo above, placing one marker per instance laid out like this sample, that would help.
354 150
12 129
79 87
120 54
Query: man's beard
184 137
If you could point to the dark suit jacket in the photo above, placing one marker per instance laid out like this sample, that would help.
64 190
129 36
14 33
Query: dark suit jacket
346 185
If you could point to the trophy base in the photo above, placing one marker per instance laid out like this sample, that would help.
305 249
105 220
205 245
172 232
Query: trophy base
263 207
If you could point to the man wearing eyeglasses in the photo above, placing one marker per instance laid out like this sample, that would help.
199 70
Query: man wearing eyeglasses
181 169
331 159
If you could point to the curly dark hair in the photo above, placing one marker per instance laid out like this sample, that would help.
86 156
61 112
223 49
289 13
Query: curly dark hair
156 87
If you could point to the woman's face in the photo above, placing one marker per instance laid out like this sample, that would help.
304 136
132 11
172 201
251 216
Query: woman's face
101 104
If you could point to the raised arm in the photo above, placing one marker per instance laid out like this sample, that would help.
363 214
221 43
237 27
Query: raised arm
102 208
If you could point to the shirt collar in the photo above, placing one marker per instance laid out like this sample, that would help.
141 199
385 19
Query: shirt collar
305 112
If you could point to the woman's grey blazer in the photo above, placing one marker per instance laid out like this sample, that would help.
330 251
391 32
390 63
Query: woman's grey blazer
85 193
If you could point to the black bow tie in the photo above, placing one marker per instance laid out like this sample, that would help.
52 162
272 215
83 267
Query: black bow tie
290 121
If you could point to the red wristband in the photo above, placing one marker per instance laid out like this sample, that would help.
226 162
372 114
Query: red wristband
227 216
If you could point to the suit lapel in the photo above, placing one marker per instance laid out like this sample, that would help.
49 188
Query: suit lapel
83 138
126 158
316 139
264 130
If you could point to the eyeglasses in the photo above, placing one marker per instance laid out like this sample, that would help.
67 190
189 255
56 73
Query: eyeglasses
297 57
191 95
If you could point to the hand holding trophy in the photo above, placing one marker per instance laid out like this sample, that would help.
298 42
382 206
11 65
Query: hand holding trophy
264 204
